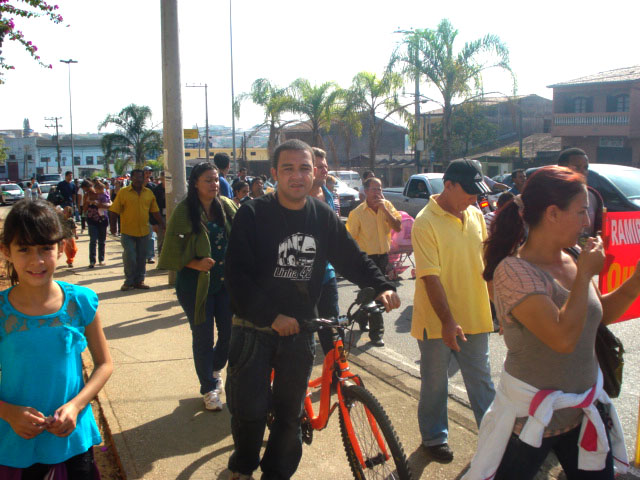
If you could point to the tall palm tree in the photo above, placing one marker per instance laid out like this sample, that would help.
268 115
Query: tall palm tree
457 76
134 136
316 102
375 97
275 101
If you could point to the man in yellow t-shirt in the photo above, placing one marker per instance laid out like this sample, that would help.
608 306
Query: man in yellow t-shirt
370 224
451 312
134 204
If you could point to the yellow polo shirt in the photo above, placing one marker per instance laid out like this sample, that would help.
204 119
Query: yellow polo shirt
370 229
445 246
134 209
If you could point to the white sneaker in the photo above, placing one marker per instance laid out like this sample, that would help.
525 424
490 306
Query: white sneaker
212 401
217 375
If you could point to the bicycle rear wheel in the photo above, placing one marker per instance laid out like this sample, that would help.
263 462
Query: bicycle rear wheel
370 425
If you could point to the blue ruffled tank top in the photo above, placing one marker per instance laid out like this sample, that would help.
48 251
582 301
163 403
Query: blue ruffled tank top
42 368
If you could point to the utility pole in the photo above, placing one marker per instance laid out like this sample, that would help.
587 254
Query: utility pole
233 97
73 160
206 116
55 119
175 173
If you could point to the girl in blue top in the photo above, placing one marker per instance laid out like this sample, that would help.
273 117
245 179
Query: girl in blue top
46 423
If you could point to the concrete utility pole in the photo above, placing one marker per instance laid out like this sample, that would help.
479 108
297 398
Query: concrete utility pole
206 116
73 160
51 119
233 97
175 173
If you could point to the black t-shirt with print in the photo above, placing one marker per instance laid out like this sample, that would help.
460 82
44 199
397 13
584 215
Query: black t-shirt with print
276 259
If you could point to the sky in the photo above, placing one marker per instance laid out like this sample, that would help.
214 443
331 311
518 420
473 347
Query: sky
117 44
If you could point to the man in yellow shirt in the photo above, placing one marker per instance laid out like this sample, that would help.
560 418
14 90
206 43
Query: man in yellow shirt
451 312
134 204
370 224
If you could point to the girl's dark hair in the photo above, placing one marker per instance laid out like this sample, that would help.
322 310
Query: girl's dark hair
548 186
239 185
193 202
31 222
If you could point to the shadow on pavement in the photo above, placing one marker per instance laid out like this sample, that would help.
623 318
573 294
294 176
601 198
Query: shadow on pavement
403 322
184 429
143 326
120 294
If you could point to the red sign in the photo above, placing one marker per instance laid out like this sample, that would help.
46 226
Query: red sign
621 236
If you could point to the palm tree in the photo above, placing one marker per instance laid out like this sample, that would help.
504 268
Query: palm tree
316 102
457 76
276 101
369 95
133 136
120 165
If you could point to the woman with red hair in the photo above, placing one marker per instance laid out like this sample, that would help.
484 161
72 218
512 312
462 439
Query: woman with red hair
550 396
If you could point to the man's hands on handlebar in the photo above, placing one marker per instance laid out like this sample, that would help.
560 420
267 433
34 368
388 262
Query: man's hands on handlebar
389 299
285 325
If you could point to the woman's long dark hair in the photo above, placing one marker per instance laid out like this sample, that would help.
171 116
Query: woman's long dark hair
193 202
31 222
548 186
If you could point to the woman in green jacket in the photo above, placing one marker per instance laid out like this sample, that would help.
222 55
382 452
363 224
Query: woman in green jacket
195 245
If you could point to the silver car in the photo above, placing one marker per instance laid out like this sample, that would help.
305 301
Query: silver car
10 193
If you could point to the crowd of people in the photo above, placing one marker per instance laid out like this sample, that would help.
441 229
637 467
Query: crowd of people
251 263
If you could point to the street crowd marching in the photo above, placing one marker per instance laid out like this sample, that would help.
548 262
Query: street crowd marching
250 263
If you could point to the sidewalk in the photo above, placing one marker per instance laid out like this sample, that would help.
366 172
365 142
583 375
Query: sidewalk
155 412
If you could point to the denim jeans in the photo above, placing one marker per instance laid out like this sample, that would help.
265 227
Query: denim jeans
134 257
328 308
208 357
252 355
151 247
473 359
522 461
97 237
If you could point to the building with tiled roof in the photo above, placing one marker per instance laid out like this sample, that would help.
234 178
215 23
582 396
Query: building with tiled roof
600 113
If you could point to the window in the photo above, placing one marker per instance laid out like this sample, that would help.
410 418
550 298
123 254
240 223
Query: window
187 154
12 157
88 160
63 161
76 160
3 169
253 154
580 105
622 103
45 159
29 157
100 160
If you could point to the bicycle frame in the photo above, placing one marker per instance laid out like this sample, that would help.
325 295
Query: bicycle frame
336 359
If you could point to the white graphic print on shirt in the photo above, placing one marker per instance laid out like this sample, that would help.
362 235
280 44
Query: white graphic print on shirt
296 255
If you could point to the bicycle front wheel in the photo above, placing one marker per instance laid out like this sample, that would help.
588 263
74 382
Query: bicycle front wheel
373 435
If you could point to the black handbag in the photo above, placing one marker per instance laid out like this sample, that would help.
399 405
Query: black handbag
609 351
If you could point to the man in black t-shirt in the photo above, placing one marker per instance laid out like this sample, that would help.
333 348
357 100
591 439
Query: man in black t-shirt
276 259
68 190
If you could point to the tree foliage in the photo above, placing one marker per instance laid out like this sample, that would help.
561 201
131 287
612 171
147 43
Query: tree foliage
10 12
456 75
318 103
3 151
134 136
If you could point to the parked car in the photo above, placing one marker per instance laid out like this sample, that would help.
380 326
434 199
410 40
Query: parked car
45 188
11 193
416 192
351 178
348 197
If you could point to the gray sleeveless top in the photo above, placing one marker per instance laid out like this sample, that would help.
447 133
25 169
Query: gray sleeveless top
530 360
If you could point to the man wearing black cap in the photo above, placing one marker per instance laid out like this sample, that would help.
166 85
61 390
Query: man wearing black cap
451 312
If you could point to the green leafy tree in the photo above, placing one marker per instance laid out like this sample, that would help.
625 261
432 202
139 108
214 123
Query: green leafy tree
156 165
276 101
121 165
457 76
375 98
3 152
134 135
15 10
318 103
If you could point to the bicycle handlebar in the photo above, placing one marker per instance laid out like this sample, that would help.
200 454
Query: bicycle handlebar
342 321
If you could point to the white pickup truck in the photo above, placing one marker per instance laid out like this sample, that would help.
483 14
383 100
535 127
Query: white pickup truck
416 193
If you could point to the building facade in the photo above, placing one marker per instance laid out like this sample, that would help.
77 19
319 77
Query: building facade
600 114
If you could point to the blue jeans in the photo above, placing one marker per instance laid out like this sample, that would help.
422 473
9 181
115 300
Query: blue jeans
134 257
252 355
522 461
151 247
473 359
208 357
97 237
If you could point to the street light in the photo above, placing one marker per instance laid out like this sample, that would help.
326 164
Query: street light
69 62
206 116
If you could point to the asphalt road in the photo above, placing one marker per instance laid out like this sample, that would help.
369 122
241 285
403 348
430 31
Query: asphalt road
401 350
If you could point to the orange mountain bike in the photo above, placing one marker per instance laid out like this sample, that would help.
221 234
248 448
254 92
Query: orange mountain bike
370 441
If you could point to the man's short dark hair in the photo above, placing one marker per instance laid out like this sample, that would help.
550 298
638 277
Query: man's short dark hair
222 160
318 152
68 172
136 170
567 153
367 183
504 198
368 174
290 145
516 172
